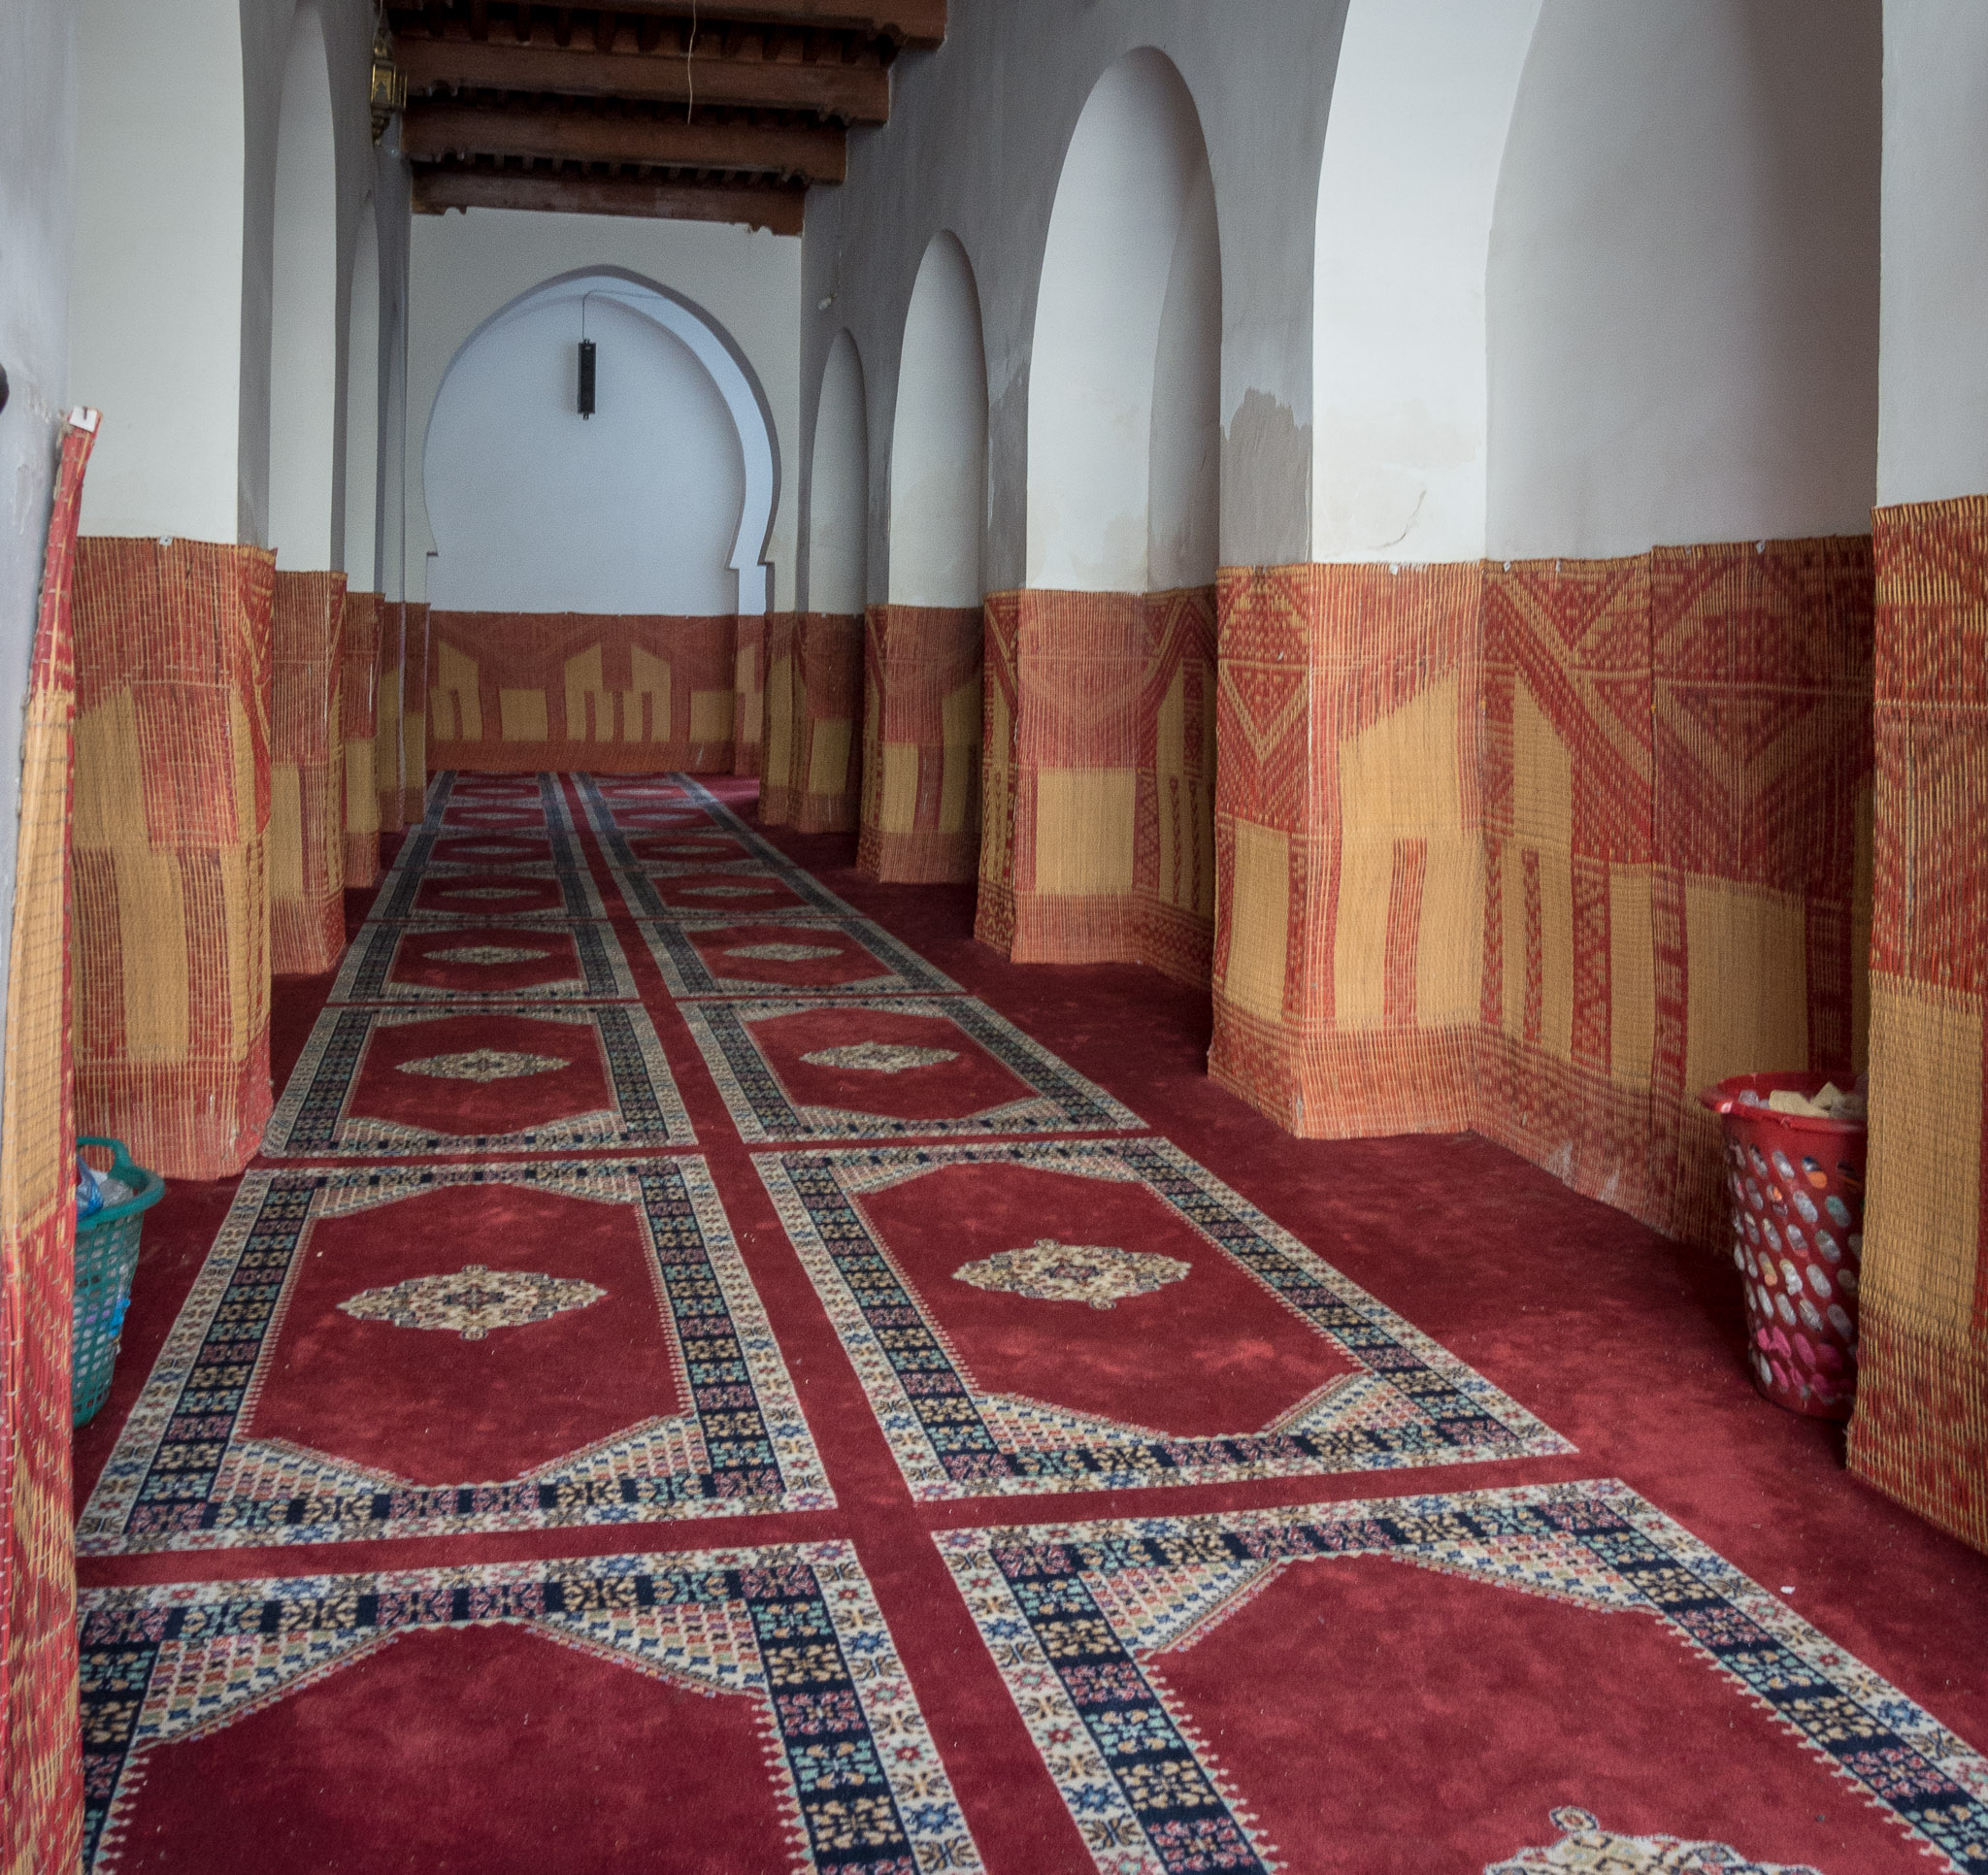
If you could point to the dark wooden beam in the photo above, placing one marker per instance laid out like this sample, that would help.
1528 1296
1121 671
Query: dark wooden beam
807 153
919 23
761 205
852 93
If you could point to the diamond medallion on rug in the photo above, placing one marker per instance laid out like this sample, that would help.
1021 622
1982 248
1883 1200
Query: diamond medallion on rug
488 849
419 960
460 891
624 1371
666 890
738 1709
1410 1684
809 952
844 1069
1235 1353
384 1082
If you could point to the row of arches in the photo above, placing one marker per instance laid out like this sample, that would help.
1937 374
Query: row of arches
233 311
1125 423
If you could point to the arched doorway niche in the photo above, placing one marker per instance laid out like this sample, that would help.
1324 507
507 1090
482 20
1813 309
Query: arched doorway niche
838 486
661 501
1100 843
304 308
1124 378
938 439
922 698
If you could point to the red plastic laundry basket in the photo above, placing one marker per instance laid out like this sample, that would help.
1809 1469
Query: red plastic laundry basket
1796 1186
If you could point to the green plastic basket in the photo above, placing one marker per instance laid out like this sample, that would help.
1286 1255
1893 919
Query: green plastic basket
106 1259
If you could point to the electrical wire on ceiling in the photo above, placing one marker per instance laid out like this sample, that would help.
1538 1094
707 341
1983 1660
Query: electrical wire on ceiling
691 70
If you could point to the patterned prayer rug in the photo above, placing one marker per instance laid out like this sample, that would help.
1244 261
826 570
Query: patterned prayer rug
780 886
1547 1640
742 1708
1178 1336
388 1352
395 1081
793 1070
661 892
462 960
462 891
809 952
485 850
474 817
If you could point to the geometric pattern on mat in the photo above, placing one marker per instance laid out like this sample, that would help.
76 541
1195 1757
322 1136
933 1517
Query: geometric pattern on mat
367 973
312 1119
687 973
187 1475
578 893
1408 1403
638 889
1073 1613
1061 1100
794 1628
773 892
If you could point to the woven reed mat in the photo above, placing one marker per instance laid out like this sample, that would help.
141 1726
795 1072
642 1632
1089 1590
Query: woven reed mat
1921 1430
307 877
41 1757
171 812
358 718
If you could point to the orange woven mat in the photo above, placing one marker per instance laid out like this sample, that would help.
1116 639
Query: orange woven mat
1921 1430
921 744
306 907
41 1753
172 811
358 719
515 692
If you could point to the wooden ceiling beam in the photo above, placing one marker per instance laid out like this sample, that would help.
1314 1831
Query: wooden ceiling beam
807 153
852 93
762 204
917 23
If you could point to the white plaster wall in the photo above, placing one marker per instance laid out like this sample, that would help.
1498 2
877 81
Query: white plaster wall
1682 294
360 559
976 143
1421 107
1933 353
304 308
37 63
1183 503
155 303
1133 160
468 267
536 509
173 254
938 448
837 532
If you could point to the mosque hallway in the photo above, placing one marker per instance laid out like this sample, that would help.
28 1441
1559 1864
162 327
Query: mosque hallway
714 1370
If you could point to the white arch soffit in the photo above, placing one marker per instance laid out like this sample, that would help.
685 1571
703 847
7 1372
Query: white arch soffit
304 308
939 436
714 347
1133 160
1422 107
838 485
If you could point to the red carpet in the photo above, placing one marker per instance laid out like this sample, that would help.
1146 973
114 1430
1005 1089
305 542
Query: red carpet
617 1424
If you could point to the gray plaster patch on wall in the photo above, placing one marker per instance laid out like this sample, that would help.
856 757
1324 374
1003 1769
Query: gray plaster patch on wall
1005 561
1266 484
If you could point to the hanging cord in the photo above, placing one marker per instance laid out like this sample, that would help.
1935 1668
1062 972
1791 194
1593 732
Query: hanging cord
689 70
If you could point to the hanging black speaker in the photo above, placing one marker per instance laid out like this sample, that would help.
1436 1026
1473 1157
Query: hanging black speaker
586 378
